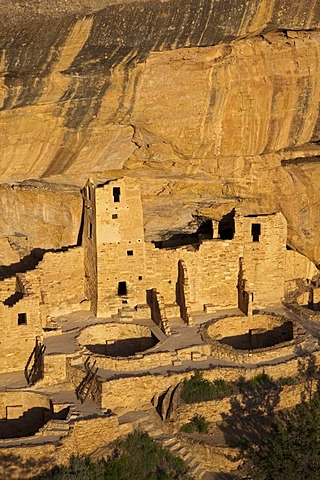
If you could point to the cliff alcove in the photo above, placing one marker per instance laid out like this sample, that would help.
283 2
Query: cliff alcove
207 103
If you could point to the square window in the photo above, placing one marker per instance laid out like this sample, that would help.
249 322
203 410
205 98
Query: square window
22 319
114 216
129 253
140 277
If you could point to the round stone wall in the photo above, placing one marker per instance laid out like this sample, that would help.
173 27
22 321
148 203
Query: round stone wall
251 333
117 339
22 414
258 338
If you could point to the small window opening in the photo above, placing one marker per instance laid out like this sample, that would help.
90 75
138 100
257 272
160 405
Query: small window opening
140 277
255 232
130 253
122 288
116 194
90 230
22 319
114 216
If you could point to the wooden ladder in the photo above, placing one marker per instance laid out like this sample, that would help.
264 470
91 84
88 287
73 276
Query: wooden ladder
36 371
86 385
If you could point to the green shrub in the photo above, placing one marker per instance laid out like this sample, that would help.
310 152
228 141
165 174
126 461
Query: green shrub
288 380
197 424
222 389
260 381
137 457
291 449
197 389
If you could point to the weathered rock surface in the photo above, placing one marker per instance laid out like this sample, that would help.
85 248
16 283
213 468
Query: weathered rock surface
37 215
211 104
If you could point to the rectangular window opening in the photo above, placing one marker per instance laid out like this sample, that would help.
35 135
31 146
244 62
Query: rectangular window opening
129 253
22 319
116 194
122 288
255 232
140 277
114 216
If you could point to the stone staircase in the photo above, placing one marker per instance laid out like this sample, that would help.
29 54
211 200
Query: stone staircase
174 445
149 422
125 314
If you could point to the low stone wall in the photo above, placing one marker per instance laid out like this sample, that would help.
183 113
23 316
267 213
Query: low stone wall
146 361
303 312
102 332
26 461
158 311
215 410
87 435
116 393
21 401
84 437
212 457
55 369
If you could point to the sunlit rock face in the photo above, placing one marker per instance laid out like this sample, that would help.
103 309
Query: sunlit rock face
210 104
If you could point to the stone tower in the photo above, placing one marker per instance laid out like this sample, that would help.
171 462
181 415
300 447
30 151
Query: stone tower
113 239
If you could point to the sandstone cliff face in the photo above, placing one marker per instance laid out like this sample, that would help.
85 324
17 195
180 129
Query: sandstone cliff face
37 215
210 104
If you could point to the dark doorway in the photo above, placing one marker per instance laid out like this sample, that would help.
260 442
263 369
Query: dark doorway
116 194
122 288
226 226
255 231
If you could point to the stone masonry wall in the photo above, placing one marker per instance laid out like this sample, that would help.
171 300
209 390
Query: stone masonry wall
116 394
158 311
297 266
85 437
60 277
18 340
25 400
214 410
264 257
127 267
183 293
7 288
90 245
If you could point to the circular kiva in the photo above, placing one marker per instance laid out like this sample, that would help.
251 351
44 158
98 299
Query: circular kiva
260 337
116 339
23 414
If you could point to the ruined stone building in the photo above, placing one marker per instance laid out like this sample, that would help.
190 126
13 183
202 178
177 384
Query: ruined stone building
244 263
